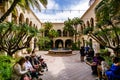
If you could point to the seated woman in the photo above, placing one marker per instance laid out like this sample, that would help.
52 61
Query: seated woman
95 63
114 72
101 69
19 71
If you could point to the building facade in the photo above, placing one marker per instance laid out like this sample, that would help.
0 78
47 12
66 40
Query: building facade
21 16
89 21
64 39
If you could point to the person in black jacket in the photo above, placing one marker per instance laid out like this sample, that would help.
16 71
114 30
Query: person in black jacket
82 53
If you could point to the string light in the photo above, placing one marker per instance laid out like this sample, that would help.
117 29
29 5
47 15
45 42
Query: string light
56 10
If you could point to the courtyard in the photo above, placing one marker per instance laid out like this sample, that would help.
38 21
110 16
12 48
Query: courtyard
25 29
65 67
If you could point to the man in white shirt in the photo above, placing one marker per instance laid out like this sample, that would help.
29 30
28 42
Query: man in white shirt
29 67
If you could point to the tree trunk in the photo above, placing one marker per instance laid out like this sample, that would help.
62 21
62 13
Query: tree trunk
9 53
9 11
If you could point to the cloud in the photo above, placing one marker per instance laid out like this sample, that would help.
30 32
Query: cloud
55 13
52 4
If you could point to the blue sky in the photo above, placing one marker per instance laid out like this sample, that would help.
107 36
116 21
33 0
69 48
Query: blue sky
61 10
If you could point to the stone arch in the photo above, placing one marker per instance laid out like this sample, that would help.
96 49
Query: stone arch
14 18
59 43
92 22
68 43
84 26
33 25
64 33
21 18
88 24
30 23
27 20
59 33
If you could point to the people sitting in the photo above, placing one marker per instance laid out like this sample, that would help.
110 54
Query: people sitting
95 62
101 69
29 67
114 72
35 63
43 63
18 70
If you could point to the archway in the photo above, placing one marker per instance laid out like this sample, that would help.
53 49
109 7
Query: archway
92 22
27 21
21 18
64 33
59 33
68 43
59 43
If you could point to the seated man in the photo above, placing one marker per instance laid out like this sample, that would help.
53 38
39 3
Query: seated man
36 64
29 67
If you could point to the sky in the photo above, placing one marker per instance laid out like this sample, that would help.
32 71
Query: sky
61 10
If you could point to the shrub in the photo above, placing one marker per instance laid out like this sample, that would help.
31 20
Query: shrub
6 63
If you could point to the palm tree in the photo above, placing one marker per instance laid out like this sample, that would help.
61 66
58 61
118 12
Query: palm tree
53 33
24 4
76 21
42 32
47 27
68 26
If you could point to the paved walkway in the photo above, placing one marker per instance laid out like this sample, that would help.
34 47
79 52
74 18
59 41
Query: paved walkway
66 67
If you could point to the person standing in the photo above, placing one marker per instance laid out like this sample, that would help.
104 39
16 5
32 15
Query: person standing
82 53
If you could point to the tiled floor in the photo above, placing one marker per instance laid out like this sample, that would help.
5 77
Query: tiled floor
66 67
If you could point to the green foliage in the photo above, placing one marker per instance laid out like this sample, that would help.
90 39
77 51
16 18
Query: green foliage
14 37
43 42
103 52
76 21
52 33
48 26
107 28
87 30
74 46
6 63
24 4
68 26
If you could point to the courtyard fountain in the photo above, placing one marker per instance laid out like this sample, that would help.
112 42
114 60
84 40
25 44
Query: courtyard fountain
60 50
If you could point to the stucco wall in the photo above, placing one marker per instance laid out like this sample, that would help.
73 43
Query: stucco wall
90 13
